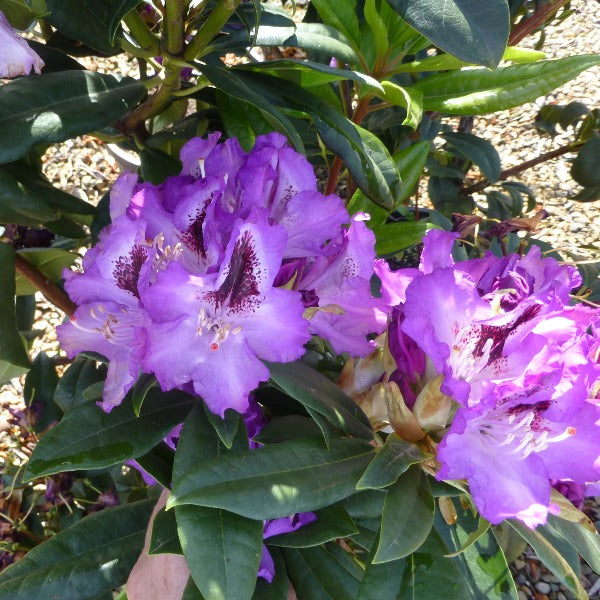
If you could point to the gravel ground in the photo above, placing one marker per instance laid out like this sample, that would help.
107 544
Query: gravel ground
85 168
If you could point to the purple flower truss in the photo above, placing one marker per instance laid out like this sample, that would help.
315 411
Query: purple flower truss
520 364
200 279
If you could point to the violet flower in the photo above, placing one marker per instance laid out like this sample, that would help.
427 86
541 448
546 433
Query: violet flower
16 57
212 330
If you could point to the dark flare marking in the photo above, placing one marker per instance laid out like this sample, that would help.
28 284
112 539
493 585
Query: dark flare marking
499 335
127 270
193 238
240 288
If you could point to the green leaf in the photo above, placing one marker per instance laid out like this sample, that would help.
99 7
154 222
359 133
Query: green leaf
227 81
241 120
78 377
56 106
321 573
315 391
381 580
585 541
89 438
164 538
378 27
20 205
392 460
88 559
307 73
411 162
342 16
222 550
275 481
38 390
12 349
584 168
49 261
480 91
409 98
157 165
551 558
407 517
426 574
332 522
94 23
474 32
394 237
20 14
286 428
478 555
227 428
158 463
140 390
477 150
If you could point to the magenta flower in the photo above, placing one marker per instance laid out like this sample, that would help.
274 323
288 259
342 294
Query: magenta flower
16 57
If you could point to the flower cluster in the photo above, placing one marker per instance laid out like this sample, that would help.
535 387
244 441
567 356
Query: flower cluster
237 260
513 369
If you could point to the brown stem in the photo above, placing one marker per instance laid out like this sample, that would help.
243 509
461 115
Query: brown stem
519 168
539 17
50 290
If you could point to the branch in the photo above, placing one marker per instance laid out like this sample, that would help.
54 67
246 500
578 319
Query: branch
539 17
50 290
519 168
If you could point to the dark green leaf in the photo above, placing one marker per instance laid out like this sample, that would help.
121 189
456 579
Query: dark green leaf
78 377
20 14
393 459
158 463
38 391
56 106
12 349
20 205
158 165
587 542
551 558
477 150
226 80
381 580
54 60
474 32
407 516
92 557
94 23
332 522
480 91
426 574
275 481
164 538
286 428
140 390
227 428
481 561
320 573
307 73
49 261
315 391
222 550
88 438
584 169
